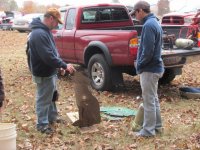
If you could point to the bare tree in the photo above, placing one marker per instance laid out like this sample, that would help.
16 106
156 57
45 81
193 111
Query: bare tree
31 7
163 7
13 5
28 7
8 5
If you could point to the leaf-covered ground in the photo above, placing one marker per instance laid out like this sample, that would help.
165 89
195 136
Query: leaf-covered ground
181 118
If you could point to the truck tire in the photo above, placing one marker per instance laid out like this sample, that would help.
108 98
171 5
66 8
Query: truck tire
21 31
99 72
168 76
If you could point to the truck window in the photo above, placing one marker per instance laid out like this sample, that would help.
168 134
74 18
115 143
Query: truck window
70 22
60 26
107 14
176 20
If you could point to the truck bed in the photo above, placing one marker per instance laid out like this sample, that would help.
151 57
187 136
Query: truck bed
169 29
175 57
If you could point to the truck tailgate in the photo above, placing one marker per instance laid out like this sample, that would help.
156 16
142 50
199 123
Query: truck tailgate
179 57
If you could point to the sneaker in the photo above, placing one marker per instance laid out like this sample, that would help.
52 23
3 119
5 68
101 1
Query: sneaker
45 129
138 135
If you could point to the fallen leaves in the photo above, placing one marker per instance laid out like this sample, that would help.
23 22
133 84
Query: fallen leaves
180 116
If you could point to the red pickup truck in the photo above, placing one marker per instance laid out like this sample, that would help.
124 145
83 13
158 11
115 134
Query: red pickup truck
103 39
181 24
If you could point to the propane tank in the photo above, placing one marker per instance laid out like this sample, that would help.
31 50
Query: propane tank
139 118
184 43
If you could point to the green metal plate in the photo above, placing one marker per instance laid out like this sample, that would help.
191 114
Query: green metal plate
118 111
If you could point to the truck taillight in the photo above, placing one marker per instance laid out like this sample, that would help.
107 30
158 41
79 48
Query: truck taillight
198 37
133 46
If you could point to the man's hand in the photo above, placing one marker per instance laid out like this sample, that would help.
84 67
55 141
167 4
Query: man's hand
62 71
70 68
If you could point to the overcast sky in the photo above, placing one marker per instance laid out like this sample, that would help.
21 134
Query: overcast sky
174 4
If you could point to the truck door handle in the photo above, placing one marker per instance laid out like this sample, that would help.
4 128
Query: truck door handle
58 35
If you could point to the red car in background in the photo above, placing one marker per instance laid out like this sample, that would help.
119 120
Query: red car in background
183 25
176 18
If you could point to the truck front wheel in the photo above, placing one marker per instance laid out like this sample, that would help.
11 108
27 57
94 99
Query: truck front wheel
99 72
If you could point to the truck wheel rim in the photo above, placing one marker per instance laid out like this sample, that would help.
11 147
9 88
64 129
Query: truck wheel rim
97 74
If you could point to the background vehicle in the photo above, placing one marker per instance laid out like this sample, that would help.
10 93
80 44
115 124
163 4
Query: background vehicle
173 22
22 24
103 38
7 20
2 15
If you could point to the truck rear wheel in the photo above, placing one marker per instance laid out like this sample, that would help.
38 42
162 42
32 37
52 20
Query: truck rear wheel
99 72
168 76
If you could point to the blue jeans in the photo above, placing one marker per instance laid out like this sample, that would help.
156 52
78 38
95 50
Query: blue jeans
152 117
45 108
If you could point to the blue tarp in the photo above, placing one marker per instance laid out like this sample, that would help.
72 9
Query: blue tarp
190 89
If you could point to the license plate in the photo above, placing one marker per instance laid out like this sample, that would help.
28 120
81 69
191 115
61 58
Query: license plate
174 60
4 27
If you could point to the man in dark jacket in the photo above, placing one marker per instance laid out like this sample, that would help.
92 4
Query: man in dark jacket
44 63
149 66
2 95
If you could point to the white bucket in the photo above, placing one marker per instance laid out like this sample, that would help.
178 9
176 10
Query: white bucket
8 136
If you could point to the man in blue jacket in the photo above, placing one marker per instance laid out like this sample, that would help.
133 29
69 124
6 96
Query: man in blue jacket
149 66
44 63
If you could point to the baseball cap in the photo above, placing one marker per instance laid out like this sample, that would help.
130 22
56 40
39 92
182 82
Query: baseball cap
140 5
55 13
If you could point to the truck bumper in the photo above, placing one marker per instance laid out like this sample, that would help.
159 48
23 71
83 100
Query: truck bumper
5 26
179 57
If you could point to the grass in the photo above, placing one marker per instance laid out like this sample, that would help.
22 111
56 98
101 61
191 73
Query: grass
181 119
